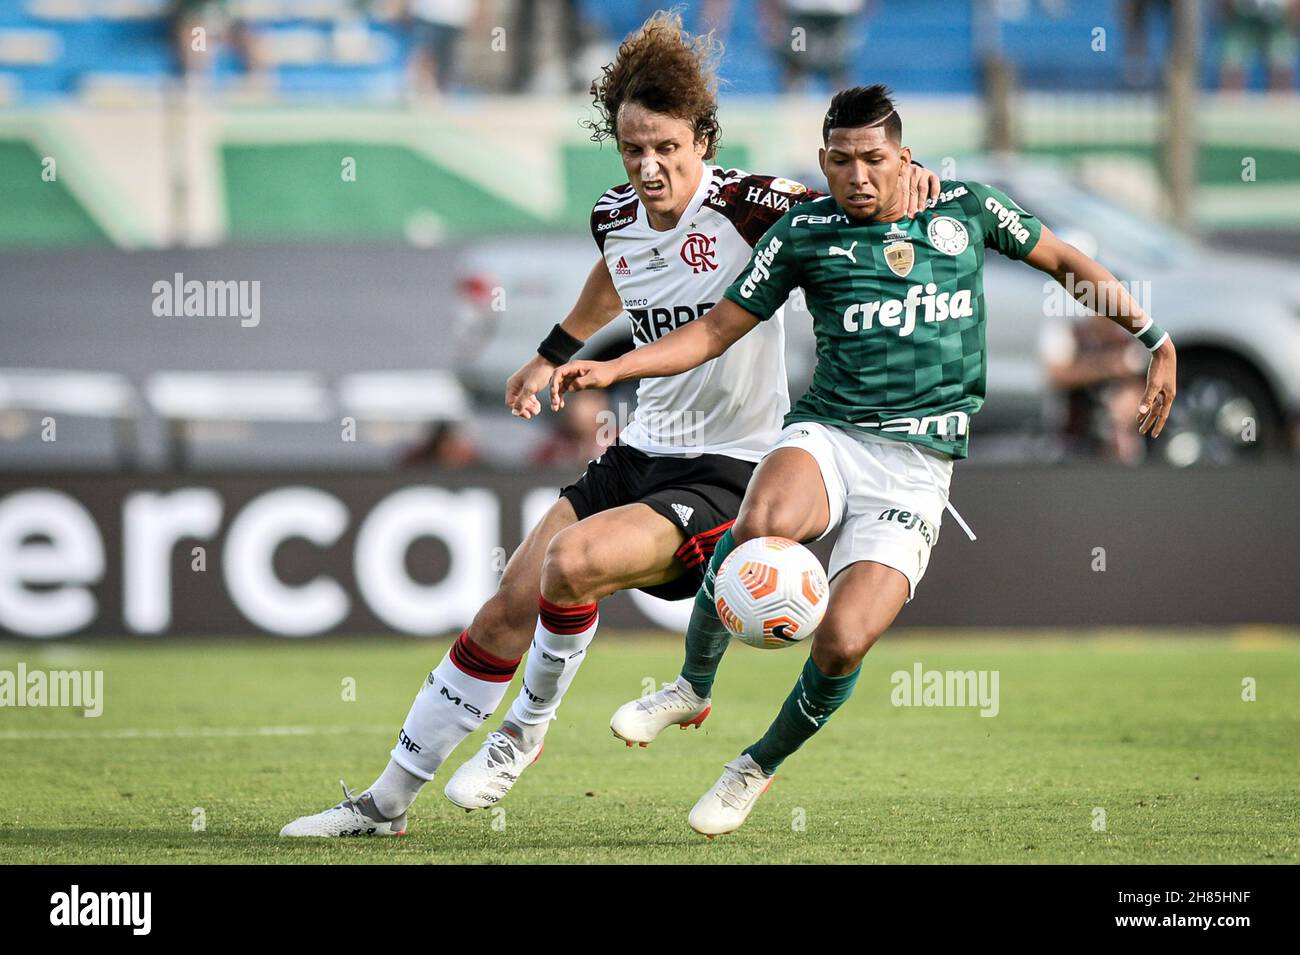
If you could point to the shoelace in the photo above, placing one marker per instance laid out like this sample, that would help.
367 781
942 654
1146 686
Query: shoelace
501 750
668 696
735 788
349 797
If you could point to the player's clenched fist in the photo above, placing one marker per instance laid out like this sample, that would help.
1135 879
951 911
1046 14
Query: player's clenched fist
579 376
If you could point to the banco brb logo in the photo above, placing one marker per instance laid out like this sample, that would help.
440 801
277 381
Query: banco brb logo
698 252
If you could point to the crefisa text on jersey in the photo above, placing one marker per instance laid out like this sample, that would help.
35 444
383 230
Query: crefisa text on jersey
901 314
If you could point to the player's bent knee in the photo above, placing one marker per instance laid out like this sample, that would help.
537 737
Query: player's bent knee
765 519
840 645
568 571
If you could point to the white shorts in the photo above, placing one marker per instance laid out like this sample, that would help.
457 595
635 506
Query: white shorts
886 496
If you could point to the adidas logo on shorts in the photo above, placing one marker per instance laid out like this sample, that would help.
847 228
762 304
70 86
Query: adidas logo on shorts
683 514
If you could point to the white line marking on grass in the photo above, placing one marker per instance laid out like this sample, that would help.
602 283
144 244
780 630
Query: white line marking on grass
198 732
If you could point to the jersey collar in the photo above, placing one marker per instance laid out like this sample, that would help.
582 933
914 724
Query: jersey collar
902 221
692 207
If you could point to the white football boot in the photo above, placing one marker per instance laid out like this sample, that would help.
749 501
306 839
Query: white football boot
354 816
727 804
640 721
484 779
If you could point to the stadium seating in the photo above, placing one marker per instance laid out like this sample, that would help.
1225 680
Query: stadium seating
57 48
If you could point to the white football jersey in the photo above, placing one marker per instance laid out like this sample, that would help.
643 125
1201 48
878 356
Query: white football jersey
734 404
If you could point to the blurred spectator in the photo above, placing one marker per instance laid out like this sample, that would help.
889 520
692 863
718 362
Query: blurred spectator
436 30
815 38
581 433
563 25
1263 29
199 28
1098 371
1139 17
447 446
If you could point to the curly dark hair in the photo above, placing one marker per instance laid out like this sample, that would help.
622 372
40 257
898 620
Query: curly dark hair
666 70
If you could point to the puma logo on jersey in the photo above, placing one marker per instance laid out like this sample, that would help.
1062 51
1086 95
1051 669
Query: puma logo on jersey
934 306
847 253
683 514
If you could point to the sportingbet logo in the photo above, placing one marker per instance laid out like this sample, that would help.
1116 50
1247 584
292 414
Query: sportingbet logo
760 270
934 306
1007 219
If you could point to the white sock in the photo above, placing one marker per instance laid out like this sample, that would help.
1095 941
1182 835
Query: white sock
395 790
559 647
688 691
460 694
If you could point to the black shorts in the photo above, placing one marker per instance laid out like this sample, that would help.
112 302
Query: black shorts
700 494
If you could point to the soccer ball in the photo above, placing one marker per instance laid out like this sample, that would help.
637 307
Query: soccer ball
771 592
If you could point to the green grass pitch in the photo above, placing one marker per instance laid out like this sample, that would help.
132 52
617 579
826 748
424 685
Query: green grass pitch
1150 730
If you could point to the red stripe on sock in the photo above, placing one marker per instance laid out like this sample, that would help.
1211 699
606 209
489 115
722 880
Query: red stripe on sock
566 620
473 660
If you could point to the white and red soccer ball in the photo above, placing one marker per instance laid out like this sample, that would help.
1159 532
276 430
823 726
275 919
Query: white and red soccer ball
771 592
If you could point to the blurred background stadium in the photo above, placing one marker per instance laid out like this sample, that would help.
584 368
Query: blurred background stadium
386 204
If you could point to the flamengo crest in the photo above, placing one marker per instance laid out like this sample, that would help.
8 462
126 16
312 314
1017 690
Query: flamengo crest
699 252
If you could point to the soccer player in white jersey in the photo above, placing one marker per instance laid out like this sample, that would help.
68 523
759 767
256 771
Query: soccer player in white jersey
648 512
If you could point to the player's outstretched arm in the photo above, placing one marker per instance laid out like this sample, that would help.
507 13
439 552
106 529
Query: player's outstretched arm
598 304
681 350
1094 286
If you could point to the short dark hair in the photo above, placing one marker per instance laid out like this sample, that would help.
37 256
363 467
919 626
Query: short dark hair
863 106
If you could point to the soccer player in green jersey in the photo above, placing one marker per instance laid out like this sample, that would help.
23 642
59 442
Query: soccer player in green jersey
898 316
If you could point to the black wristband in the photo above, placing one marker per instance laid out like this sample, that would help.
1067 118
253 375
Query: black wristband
559 346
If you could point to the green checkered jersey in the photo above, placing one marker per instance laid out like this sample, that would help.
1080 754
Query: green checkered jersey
898 309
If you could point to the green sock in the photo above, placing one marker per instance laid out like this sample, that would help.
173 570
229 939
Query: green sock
810 704
706 637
